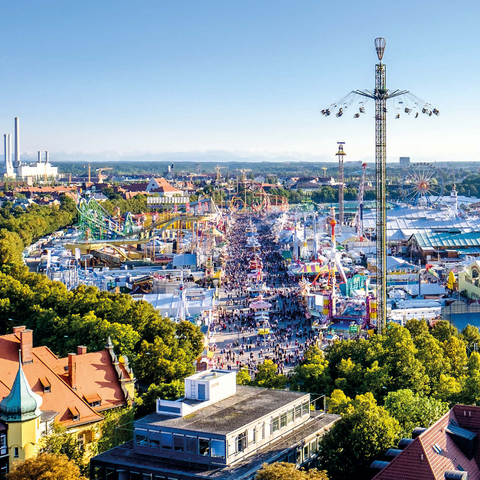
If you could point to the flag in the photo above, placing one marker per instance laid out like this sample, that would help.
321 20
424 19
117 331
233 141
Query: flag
187 207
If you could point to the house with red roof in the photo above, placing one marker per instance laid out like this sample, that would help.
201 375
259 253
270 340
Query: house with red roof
448 449
42 389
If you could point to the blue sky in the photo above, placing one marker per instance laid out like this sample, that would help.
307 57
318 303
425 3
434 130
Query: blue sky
235 75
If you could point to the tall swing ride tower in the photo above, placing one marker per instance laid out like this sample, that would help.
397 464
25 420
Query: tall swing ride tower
409 104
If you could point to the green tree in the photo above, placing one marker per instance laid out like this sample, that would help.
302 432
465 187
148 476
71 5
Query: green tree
443 330
312 374
365 431
288 471
146 403
400 355
243 377
11 247
471 389
116 428
471 336
45 467
267 376
60 442
412 410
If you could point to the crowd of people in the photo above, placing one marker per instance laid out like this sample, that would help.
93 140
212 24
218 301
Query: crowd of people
243 341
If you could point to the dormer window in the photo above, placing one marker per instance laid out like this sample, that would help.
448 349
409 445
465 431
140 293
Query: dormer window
47 387
74 413
94 400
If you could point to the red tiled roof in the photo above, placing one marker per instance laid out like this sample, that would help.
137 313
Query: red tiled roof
419 460
135 187
95 374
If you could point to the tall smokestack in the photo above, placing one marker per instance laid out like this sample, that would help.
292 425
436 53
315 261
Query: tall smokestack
39 157
46 157
17 143
5 152
9 155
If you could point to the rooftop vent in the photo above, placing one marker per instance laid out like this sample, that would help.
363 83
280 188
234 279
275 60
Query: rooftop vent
378 465
417 432
391 453
404 443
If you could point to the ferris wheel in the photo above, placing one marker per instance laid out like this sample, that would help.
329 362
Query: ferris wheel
422 185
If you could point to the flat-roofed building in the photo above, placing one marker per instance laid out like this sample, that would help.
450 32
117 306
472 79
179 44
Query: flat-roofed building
218 431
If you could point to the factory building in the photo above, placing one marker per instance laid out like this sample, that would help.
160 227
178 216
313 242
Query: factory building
13 168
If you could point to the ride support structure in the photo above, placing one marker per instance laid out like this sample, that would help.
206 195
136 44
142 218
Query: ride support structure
381 95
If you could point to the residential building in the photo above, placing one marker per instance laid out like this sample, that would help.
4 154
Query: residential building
469 280
448 449
404 161
44 388
218 431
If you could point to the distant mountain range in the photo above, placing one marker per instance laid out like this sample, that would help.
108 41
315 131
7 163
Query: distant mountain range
209 156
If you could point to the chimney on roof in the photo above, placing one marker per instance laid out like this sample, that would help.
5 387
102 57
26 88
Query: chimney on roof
81 350
19 329
26 345
72 370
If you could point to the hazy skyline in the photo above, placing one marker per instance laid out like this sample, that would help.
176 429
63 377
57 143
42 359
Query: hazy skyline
249 76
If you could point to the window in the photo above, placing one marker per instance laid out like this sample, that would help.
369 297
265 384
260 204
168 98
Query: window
111 474
179 443
298 411
98 473
192 445
313 447
166 440
74 413
47 388
3 444
306 452
283 420
275 424
141 439
218 448
305 408
81 442
254 435
154 443
15 452
241 441
290 415
204 447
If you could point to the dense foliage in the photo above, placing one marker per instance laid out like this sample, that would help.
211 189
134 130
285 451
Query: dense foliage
28 226
365 431
45 467
161 350
288 471
385 386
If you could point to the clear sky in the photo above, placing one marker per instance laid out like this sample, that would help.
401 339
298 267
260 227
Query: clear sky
236 75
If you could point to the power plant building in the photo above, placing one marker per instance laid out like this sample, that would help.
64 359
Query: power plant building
13 168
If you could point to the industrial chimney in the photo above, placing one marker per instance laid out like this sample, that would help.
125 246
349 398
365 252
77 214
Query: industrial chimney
8 154
46 157
39 157
17 143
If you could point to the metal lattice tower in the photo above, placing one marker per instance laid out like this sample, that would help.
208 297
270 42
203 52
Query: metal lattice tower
380 95
341 215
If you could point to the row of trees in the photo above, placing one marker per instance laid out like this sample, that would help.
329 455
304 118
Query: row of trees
386 386
160 350
19 227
